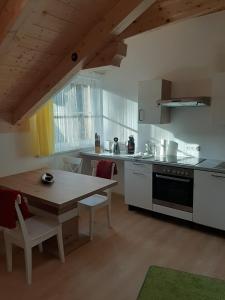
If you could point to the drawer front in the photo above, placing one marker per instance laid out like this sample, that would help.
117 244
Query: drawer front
138 189
138 167
184 215
209 204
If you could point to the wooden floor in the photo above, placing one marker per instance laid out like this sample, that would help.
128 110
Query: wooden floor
114 264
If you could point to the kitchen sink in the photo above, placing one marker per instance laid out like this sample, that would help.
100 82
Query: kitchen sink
147 156
139 156
220 165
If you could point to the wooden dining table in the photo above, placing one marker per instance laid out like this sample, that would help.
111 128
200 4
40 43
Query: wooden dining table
59 199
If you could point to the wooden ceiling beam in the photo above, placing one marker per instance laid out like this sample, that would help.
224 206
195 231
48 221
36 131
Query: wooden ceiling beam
8 15
119 17
111 55
163 12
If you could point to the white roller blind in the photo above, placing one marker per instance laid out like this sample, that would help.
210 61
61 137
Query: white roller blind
77 114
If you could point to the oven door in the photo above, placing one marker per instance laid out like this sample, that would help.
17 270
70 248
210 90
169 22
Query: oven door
172 191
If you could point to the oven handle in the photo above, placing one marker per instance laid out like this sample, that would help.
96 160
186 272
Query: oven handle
173 178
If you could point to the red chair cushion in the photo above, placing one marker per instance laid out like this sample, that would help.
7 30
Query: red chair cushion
8 216
24 209
104 169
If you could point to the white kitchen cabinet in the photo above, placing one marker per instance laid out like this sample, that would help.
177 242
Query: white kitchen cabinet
149 91
218 98
138 184
209 199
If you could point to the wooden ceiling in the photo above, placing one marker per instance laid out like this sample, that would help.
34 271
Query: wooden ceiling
45 42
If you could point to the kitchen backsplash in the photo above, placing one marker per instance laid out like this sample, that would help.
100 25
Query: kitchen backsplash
154 134
190 128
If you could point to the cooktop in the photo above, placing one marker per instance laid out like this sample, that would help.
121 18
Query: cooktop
192 161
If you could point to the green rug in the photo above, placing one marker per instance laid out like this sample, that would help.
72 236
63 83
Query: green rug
166 284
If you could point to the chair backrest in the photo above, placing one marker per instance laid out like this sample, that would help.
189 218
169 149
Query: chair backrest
94 167
94 164
21 220
73 164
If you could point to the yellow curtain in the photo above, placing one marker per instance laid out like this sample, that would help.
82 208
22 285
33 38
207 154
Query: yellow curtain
42 131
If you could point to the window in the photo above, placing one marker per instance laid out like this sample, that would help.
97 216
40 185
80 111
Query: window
77 114
83 108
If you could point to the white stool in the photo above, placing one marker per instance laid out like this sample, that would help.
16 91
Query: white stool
96 201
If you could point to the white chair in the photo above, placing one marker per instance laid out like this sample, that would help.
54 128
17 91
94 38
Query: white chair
96 201
29 233
72 164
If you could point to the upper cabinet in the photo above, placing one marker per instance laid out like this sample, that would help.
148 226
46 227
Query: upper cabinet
218 98
149 112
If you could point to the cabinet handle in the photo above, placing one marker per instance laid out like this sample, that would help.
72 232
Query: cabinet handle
218 176
138 164
137 173
141 115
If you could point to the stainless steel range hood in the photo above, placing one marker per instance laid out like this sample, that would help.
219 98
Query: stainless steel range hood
185 102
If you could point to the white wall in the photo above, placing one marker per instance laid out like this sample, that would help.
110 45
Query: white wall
188 54
15 154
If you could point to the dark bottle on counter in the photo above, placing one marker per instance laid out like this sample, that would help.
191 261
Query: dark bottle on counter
116 147
97 143
131 145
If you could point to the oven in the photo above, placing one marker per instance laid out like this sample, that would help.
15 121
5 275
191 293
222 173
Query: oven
173 188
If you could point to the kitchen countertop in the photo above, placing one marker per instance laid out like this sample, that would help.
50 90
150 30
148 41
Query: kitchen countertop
210 165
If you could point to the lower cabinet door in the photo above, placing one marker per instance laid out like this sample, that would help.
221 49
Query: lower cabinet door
138 188
209 199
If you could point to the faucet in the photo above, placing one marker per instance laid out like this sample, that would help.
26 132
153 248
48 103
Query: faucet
150 148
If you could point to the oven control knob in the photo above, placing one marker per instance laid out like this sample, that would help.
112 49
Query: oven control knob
186 173
178 172
182 173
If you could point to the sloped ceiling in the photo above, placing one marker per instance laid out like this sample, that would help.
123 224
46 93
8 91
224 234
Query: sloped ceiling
44 42
42 35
